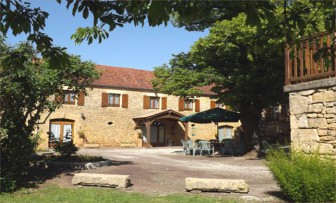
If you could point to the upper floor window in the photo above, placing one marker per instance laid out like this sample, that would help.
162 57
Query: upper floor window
69 98
188 104
114 99
154 102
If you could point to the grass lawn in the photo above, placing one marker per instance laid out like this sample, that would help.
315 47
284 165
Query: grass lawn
53 193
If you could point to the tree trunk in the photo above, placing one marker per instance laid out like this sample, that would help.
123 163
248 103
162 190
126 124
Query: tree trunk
250 120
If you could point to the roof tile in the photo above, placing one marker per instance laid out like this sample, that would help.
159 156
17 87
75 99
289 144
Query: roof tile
129 78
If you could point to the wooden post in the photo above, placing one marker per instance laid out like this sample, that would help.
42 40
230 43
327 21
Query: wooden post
287 65
148 131
185 130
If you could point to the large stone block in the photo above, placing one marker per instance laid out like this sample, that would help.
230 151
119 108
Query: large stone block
298 104
303 122
332 120
304 135
307 92
317 123
324 96
315 108
327 138
103 180
331 110
294 122
324 148
217 185
312 115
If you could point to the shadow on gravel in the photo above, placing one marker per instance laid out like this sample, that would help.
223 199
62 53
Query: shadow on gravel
40 174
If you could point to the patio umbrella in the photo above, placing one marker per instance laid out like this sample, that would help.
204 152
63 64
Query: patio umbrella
212 115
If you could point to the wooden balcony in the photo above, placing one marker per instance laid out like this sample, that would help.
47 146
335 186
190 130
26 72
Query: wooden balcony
300 64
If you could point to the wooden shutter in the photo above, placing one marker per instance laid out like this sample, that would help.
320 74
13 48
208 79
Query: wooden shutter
164 103
146 101
81 99
181 104
212 104
197 105
104 99
124 101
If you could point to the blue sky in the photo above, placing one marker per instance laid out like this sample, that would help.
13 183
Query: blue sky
130 46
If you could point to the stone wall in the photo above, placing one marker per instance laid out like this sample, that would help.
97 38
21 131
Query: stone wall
313 116
114 126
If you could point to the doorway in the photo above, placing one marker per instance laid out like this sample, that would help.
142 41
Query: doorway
157 134
225 132
60 131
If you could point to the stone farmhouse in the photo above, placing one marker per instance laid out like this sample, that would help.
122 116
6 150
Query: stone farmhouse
122 109
312 95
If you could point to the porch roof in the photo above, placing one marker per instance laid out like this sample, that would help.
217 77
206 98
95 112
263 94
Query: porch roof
170 114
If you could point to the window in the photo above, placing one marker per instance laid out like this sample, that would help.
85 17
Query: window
154 102
114 100
69 98
225 132
60 131
188 104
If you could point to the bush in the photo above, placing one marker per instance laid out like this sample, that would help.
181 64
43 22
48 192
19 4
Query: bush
66 149
16 156
304 178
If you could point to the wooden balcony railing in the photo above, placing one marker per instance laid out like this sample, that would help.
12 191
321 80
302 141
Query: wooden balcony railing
300 65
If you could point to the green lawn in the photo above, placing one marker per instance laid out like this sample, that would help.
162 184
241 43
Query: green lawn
85 194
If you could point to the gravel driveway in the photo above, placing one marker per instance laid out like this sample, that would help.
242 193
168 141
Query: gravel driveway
163 170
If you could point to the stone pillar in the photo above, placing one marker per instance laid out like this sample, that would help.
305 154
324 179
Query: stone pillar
313 116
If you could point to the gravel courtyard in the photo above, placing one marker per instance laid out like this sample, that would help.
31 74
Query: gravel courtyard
163 171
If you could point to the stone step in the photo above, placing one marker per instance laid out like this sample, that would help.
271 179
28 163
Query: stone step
217 185
102 180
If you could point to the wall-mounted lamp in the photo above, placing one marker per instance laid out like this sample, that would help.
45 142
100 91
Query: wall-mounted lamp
83 116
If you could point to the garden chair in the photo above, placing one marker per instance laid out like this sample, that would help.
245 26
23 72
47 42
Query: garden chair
228 145
206 146
192 146
185 146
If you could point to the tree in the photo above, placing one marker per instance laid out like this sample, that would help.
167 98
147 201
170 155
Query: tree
246 78
19 17
27 86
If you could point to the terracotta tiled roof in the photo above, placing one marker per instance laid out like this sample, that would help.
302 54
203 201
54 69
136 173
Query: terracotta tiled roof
129 78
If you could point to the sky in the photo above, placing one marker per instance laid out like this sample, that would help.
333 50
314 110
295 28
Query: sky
133 47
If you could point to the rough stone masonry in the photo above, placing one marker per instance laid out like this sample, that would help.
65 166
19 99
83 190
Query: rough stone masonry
313 117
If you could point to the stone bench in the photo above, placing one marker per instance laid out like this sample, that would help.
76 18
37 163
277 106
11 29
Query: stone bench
102 180
217 185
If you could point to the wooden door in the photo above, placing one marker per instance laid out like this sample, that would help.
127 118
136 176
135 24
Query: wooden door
60 131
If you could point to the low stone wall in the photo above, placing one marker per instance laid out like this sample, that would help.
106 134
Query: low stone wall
313 116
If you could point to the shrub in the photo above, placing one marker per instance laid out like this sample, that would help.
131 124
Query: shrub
66 149
304 178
